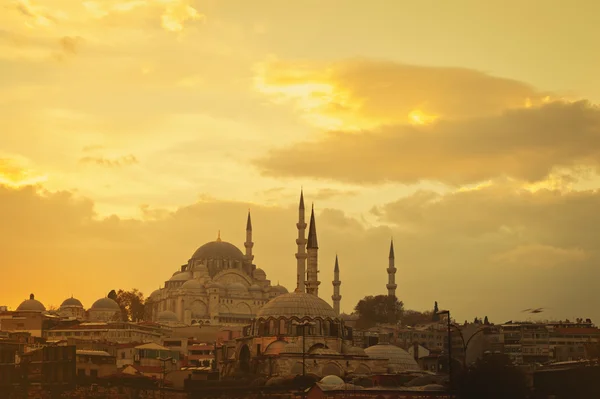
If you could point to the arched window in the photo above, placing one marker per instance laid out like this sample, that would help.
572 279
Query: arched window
282 327
318 327
272 327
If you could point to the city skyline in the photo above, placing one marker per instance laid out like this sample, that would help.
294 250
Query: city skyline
134 131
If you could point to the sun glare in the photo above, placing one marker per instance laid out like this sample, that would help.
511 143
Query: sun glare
418 117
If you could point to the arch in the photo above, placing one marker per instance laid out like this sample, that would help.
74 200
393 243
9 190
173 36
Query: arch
244 358
316 346
199 309
332 368
224 309
242 308
229 276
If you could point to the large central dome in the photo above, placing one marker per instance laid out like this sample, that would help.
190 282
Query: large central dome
297 304
218 250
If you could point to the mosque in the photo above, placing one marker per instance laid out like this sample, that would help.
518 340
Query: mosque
218 285
298 332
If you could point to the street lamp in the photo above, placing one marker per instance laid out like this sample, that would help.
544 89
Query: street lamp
164 360
447 312
304 324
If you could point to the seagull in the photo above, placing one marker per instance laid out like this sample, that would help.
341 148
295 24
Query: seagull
536 310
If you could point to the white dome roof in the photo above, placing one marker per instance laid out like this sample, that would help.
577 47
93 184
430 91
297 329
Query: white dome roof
297 304
332 380
32 305
193 285
280 289
167 316
259 274
399 359
105 304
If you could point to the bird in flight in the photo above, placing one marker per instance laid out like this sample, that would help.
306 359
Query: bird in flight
536 310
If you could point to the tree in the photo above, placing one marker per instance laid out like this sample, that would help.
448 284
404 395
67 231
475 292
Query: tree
494 377
112 295
413 317
132 304
372 310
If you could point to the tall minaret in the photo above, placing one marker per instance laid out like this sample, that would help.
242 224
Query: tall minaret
249 257
301 242
391 285
312 248
336 287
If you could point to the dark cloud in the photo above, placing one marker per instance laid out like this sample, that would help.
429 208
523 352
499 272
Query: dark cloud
526 144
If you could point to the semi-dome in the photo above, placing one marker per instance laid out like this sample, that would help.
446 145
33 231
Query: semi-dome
255 288
32 305
167 316
399 359
106 304
181 276
218 250
193 285
331 380
71 302
297 304
214 284
155 294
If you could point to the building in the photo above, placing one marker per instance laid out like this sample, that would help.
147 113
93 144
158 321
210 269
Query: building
120 332
93 364
218 285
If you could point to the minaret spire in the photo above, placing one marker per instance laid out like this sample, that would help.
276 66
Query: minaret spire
312 248
249 257
391 285
336 297
219 236
301 242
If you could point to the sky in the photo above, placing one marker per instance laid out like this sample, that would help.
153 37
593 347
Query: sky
131 132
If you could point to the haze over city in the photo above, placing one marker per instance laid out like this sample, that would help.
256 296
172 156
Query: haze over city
134 131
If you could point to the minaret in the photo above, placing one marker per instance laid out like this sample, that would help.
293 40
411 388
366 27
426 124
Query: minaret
312 248
301 242
391 285
249 257
336 287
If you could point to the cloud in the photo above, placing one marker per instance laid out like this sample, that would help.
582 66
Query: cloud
363 94
124 160
486 251
527 144
17 172
37 14
177 13
541 256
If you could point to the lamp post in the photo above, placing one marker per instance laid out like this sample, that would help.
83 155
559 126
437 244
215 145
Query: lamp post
164 361
304 324
449 324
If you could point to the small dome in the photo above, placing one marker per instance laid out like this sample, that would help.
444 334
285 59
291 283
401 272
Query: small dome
105 304
255 288
332 380
259 274
155 294
237 287
181 276
399 359
32 305
193 285
297 304
280 289
324 351
71 302
167 316
218 250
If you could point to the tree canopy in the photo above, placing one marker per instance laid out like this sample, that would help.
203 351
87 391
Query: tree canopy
494 377
414 317
131 303
372 310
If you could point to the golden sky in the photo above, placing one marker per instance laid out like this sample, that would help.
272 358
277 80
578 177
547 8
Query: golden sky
132 131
